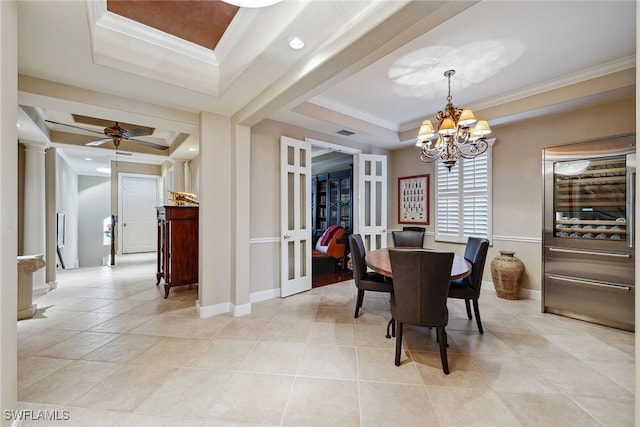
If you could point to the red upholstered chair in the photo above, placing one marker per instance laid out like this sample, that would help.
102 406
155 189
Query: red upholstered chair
330 246
330 242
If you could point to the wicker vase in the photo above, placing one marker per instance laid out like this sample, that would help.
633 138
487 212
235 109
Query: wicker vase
506 272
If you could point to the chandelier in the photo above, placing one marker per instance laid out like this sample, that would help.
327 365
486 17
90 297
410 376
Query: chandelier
456 137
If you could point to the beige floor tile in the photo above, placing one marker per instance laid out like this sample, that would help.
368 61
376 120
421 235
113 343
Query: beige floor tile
547 410
331 334
395 405
373 336
609 412
273 357
334 315
84 321
123 349
172 352
619 371
187 392
221 353
462 373
335 403
286 331
577 379
32 369
587 348
78 345
121 324
155 306
254 398
376 364
329 362
459 406
474 342
182 327
512 375
42 339
120 306
125 389
304 360
243 328
72 416
68 383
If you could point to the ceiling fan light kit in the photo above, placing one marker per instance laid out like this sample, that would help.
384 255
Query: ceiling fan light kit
455 138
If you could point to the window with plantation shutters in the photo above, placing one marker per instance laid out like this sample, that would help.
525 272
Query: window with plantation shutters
463 199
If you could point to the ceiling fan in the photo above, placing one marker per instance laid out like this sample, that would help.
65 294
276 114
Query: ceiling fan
116 134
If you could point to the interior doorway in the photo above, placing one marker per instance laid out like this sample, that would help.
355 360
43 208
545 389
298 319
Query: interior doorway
138 196
332 212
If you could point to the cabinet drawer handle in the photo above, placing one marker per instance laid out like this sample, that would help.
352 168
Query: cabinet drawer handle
572 251
590 283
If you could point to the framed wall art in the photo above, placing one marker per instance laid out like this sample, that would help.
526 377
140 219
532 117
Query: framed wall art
413 199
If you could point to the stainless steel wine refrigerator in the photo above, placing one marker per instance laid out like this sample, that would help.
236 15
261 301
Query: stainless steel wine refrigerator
588 227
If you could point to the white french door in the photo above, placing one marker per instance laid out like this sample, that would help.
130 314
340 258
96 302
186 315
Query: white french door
295 216
371 174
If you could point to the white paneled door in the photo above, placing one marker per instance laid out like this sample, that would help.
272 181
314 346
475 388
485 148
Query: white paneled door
372 200
295 216
138 223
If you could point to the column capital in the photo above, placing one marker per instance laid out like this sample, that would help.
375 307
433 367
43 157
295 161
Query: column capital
35 145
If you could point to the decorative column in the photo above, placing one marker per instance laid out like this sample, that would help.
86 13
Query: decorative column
178 175
27 265
34 210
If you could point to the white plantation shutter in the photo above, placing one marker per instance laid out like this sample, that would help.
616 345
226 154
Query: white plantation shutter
463 199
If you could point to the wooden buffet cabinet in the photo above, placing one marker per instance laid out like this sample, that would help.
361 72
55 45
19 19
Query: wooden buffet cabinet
177 246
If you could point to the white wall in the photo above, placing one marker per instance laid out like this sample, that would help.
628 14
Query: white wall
67 203
8 206
94 205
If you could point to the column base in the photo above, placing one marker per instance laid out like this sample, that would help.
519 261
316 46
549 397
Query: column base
27 313
53 285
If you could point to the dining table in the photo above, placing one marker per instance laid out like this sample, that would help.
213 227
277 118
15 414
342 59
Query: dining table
378 260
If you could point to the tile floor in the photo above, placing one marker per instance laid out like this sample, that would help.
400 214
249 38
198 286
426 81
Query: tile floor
108 349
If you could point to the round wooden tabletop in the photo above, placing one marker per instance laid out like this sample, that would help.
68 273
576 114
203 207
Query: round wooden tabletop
378 261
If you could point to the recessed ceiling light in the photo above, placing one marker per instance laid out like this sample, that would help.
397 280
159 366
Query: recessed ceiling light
88 158
104 170
192 149
296 43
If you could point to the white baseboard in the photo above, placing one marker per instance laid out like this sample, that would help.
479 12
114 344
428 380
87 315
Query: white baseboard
240 310
264 295
212 310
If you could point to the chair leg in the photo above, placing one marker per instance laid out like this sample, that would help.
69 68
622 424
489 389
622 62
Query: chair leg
476 310
359 302
398 343
391 325
466 303
442 340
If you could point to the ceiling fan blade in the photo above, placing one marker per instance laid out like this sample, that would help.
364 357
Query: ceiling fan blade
98 142
148 144
134 132
75 127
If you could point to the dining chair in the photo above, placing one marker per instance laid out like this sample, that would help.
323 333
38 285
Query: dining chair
408 238
365 280
420 287
468 288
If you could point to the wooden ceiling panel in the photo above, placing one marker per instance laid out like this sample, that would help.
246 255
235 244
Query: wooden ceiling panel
202 22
